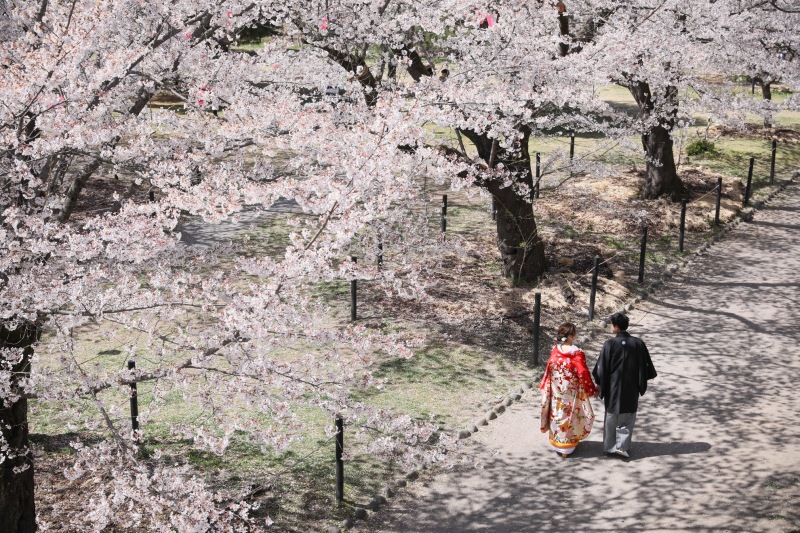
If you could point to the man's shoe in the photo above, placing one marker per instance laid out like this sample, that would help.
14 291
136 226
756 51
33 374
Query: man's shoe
623 453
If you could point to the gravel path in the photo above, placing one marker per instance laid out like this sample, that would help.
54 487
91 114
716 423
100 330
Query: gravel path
717 441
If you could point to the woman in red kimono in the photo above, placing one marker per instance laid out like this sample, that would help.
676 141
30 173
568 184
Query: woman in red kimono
566 387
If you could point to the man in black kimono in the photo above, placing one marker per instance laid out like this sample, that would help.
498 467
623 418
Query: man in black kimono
621 373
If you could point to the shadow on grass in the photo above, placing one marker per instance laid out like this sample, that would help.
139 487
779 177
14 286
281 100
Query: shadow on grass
59 443
293 489
434 365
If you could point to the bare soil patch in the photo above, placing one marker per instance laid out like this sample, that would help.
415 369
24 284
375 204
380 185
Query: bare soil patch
586 217
782 135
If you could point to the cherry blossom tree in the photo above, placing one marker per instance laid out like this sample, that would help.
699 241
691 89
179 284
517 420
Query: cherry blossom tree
508 86
397 34
667 53
769 47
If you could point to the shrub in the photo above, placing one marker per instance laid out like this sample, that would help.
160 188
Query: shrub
700 147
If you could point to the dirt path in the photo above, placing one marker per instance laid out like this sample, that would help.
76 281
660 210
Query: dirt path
717 442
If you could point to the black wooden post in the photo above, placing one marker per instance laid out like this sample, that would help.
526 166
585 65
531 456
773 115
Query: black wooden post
772 162
683 225
353 289
134 406
571 147
151 195
719 199
571 151
537 313
339 461
642 254
380 255
444 213
749 187
594 286
494 208
538 175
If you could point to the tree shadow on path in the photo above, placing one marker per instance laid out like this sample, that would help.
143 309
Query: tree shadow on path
716 443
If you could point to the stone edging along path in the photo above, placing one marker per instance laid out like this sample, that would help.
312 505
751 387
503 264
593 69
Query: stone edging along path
593 329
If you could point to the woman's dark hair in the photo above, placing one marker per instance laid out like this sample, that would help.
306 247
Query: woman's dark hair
620 320
567 329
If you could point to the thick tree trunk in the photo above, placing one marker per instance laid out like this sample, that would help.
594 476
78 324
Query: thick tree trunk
521 247
661 178
17 503
766 90
766 94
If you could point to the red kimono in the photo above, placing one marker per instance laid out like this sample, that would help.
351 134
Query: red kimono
566 388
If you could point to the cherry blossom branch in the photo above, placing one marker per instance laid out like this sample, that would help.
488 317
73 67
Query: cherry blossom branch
324 224
111 428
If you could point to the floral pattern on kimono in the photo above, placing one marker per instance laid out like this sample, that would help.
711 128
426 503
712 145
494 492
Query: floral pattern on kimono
566 387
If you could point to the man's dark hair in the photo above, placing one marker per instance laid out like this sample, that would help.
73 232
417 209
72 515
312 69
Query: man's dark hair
620 320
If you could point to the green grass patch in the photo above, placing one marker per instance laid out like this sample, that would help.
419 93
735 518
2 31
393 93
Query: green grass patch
442 382
331 290
731 157
614 243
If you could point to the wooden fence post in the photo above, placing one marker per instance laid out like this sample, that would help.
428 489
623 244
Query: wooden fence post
339 462
594 286
537 312
749 187
642 254
444 213
682 230
134 406
772 162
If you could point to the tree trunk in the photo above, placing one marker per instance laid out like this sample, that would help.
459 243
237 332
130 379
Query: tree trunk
16 472
766 94
766 90
357 65
563 28
417 68
661 178
521 247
